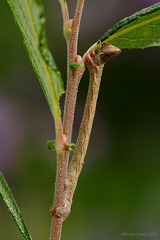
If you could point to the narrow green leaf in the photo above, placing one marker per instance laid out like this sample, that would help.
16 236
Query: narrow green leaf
30 18
8 199
140 30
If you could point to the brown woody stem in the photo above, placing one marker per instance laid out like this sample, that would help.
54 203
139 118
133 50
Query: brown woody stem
73 77
71 30
59 192
56 225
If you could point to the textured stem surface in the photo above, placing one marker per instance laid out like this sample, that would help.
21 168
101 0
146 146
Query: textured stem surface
75 30
59 198
71 30
73 77
56 225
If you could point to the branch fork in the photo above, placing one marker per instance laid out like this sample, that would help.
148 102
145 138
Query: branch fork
67 177
95 63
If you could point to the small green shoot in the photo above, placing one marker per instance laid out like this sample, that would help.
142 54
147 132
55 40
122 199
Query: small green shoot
51 145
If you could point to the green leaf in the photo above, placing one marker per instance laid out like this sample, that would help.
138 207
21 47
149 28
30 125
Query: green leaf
141 30
51 145
69 146
8 199
30 18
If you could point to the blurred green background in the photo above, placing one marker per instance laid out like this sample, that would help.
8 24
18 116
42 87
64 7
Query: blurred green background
119 188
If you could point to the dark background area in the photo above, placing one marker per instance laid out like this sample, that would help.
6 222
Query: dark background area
119 187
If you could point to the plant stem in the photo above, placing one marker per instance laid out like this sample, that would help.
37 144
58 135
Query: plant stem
71 96
59 198
56 225
75 31
65 14
73 78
